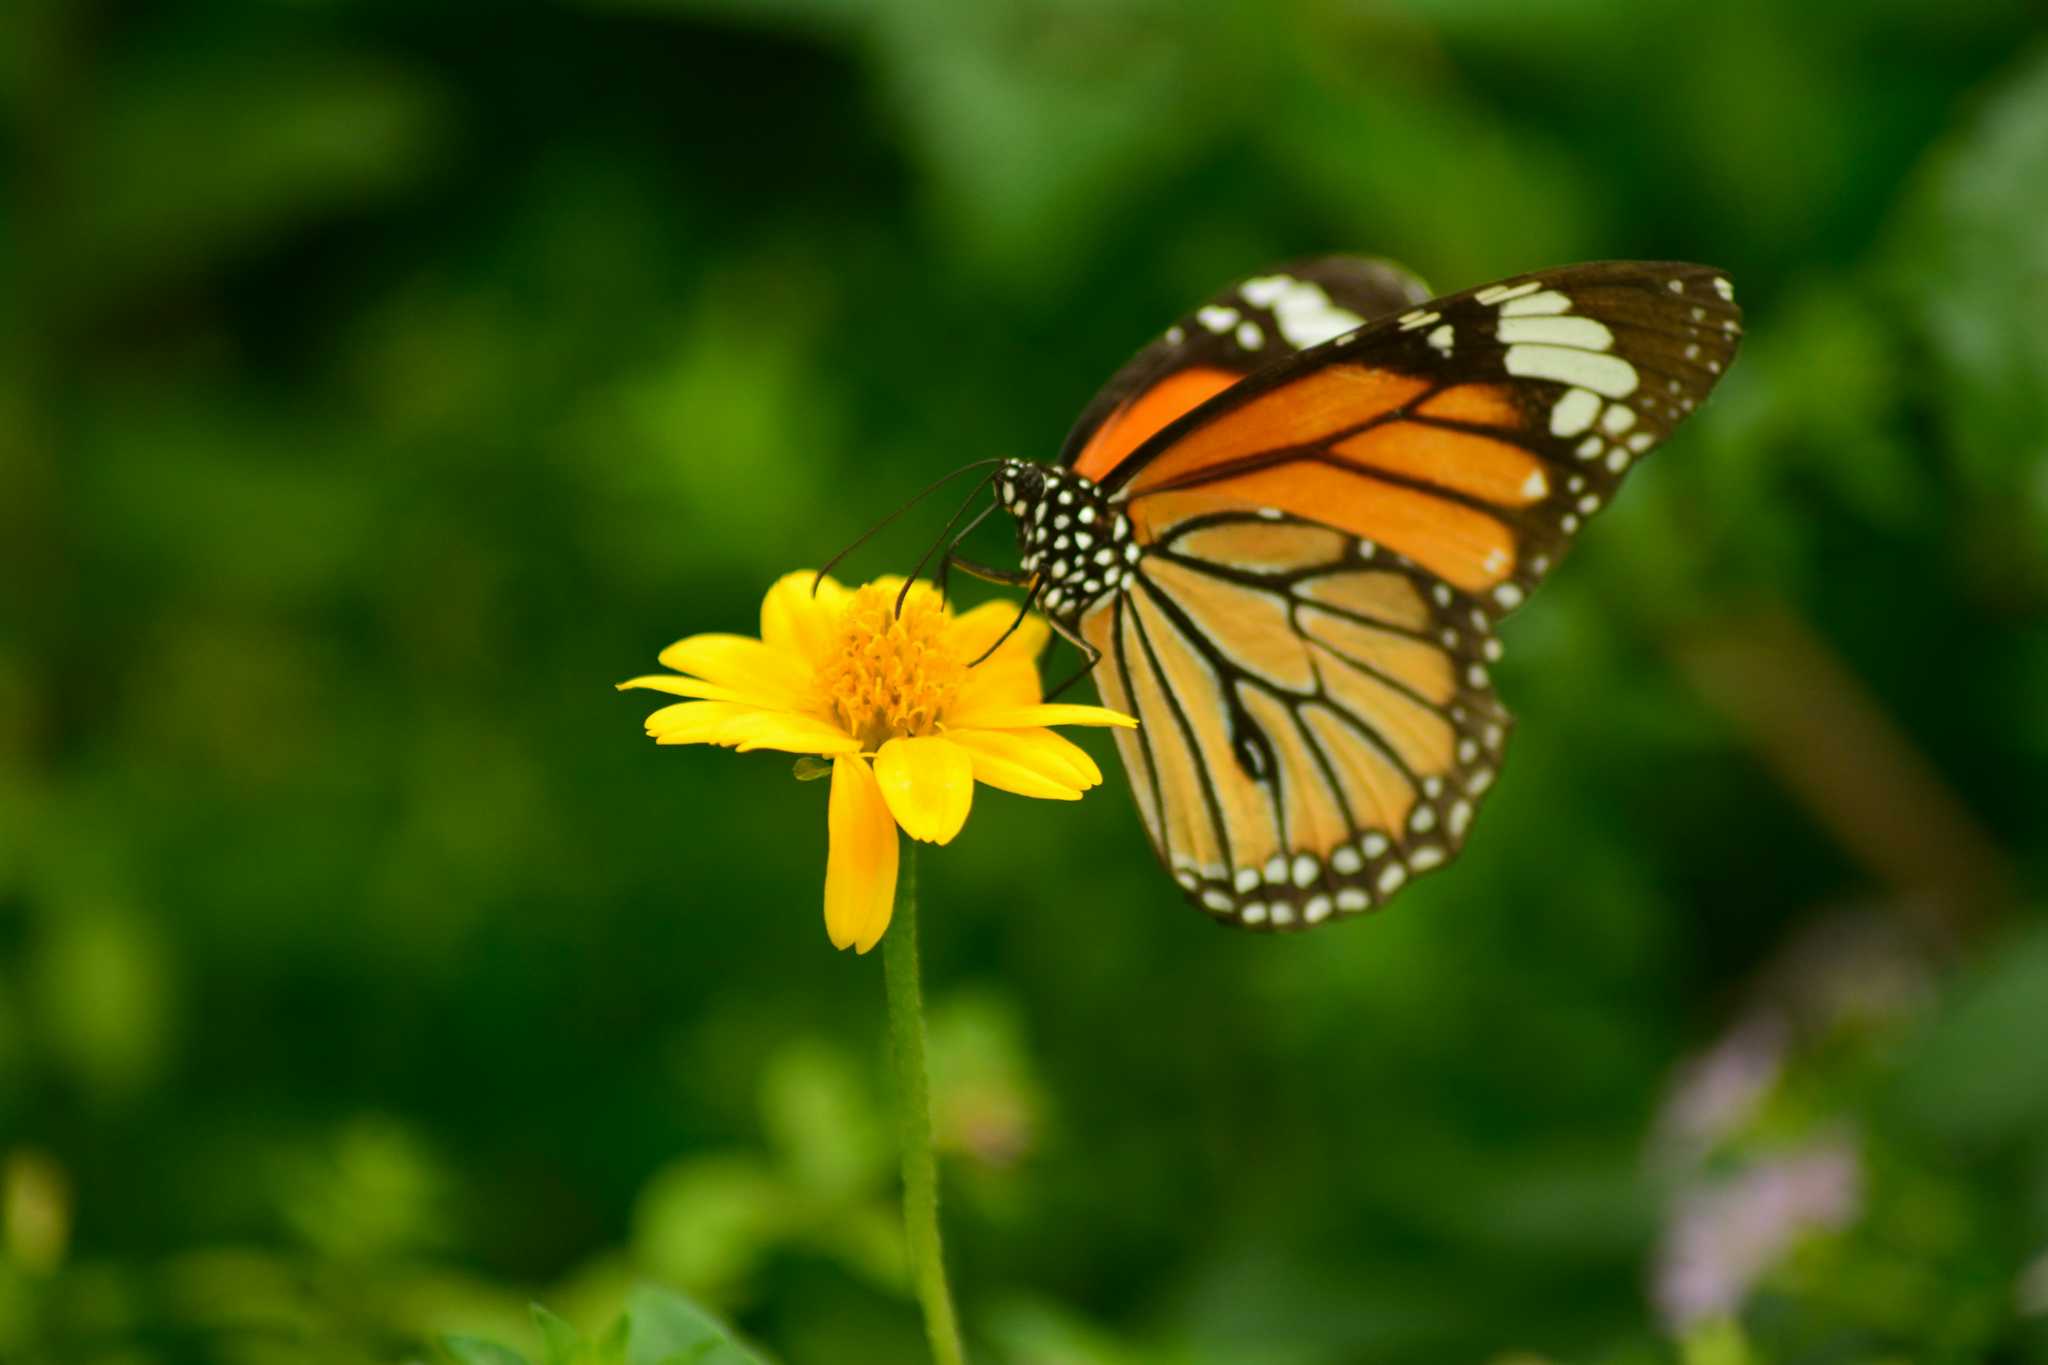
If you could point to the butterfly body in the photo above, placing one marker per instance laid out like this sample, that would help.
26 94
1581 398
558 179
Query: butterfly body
1071 538
1284 533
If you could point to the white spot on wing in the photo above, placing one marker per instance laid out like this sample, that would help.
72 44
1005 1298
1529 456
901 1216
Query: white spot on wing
1496 293
1585 333
1304 313
1574 412
1441 338
1608 374
1215 318
1547 303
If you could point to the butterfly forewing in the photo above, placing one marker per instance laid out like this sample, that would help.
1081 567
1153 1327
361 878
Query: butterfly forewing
1474 434
1240 329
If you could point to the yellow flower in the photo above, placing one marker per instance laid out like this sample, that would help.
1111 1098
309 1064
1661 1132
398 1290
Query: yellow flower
840 673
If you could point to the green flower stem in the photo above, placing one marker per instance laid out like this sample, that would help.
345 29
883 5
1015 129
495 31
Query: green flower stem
914 1117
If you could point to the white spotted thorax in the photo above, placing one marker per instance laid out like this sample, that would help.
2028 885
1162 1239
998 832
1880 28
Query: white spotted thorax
1070 535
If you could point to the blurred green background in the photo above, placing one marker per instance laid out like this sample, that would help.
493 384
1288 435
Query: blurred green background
380 382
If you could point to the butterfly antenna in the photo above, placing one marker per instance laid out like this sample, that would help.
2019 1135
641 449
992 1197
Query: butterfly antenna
865 536
945 535
939 575
1023 610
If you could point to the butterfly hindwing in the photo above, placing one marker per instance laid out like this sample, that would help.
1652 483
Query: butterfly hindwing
1240 329
1316 724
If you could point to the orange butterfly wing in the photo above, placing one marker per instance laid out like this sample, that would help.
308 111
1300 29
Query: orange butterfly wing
1240 329
1474 434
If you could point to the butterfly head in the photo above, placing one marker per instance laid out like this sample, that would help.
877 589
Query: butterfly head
1076 543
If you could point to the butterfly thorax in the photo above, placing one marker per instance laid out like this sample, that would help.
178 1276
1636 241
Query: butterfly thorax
1073 540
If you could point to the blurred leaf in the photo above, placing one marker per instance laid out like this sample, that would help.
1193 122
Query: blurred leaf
821 1115
1977 1075
1969 256
107 991
1716 1343
706 1222
668 1328
476 1351
563 1343
1035 122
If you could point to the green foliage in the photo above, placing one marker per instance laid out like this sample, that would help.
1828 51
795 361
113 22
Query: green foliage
380 383
659 1327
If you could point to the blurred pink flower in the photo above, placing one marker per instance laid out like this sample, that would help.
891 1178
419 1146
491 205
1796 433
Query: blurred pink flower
1726 1235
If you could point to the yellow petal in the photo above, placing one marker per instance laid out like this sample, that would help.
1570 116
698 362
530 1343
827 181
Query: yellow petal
1030 717
1013 764
1000 684
1056 753
860 866
746 727
761 672
677 685
975 631
929 785
696 722
791 733
799 621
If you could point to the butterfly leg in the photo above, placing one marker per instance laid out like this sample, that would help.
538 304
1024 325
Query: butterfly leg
1094 657
987 573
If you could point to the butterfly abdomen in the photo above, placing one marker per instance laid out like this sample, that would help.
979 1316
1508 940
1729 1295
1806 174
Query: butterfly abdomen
1077 543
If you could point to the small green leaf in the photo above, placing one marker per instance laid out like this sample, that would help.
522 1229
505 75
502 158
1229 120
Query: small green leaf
467 1350
564 1343
668 1329
611 1347
810 768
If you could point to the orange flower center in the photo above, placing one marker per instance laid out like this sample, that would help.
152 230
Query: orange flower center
890 676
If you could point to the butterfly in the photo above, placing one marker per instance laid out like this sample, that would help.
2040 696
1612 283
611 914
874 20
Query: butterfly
1284 533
